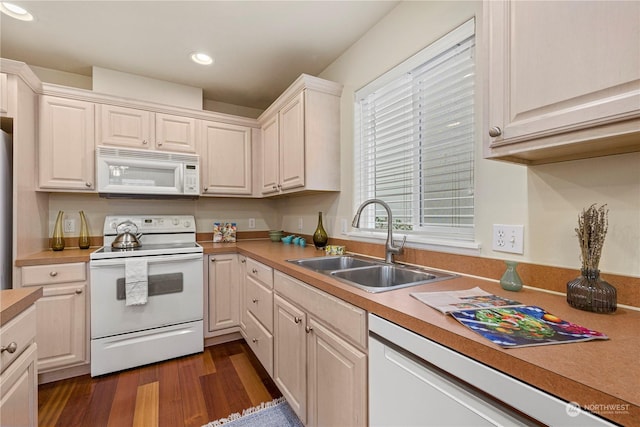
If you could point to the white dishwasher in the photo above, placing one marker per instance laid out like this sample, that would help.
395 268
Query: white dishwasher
414 381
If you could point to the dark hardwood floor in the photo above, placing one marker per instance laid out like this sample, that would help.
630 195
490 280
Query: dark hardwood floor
188 391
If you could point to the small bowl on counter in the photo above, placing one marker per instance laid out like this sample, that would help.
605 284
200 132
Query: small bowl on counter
275 235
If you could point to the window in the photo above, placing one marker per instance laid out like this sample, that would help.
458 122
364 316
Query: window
415 142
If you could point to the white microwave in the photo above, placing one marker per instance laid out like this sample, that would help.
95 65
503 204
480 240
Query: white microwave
125 172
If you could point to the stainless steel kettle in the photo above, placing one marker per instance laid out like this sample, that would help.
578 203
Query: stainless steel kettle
127 239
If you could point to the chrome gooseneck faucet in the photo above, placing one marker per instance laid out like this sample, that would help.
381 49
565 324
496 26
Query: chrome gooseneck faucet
390 249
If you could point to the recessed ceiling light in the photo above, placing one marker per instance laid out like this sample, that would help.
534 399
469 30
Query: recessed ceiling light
15 11
201 58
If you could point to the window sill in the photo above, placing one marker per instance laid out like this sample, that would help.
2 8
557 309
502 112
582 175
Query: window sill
419 242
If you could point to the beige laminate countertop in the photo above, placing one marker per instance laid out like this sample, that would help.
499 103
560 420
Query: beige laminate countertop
593 374
15 301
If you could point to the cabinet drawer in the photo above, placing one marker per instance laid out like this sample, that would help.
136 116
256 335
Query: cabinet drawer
260 272
347 320
259 302
22 331
54 273
261 343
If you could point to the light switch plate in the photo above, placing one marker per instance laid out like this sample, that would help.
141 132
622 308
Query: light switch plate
508 238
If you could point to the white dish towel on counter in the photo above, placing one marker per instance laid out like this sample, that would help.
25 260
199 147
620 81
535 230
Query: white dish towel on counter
136 281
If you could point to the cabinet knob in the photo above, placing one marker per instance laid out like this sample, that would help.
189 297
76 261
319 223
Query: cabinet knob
243 260
53 273
254 271
145 142
78 291
297 319
254 300
213 260
495 131
87 184
11 348
275 187
254 340
159 143
206 189
308 329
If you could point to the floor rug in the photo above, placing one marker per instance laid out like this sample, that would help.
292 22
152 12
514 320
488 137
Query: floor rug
276 413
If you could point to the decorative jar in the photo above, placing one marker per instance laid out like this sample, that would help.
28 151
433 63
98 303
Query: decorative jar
591 293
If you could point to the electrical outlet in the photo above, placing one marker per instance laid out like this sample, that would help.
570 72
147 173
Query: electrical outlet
508 238
69 226
252 223
300 223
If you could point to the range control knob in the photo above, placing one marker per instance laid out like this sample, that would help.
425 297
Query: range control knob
175 221
187 224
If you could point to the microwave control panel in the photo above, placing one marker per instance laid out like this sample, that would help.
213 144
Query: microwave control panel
191 181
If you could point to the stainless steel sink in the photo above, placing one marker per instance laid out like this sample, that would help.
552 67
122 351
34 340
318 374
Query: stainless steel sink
369 275
333 263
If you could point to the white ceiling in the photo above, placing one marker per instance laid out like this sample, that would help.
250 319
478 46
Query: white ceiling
259 47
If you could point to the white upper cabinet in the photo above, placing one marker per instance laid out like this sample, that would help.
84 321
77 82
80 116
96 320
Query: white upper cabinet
301 138
4 97
65 152
134 128
225 151
563 80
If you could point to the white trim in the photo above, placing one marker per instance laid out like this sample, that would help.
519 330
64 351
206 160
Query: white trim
419 242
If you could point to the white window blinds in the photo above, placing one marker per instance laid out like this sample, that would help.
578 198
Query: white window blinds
415 141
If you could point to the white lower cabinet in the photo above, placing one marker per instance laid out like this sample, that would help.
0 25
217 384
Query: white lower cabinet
62 332
223 300
320 361
18 378
256 318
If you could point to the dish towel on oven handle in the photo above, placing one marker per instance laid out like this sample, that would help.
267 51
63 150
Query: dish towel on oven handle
136 281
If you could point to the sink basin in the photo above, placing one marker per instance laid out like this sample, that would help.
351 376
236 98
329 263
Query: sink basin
369 275
333 263
381 278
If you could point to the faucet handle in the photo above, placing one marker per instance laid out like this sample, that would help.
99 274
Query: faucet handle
401 247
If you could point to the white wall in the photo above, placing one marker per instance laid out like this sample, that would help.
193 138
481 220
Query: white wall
545 199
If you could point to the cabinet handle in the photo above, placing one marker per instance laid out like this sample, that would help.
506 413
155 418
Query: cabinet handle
53 273
254 340
87 184
243 260
254 300
213 260
206 189
145 142
297 319
254 271
308 329
159 143
78 291
11 348
495 131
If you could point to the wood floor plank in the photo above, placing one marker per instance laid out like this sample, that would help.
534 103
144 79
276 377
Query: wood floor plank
215 397
209 366
78 402
104 390
57 398
251 382
147 401
230 381
171 414
124 400
193 405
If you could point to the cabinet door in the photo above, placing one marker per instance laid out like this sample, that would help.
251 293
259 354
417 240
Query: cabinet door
19 391
289 359
242 271
226 165
175 133
61 331
337 374
66 158
125 127
557 67
292 167
270 156
224 292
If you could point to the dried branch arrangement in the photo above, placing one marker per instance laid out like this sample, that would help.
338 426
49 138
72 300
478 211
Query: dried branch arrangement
591 231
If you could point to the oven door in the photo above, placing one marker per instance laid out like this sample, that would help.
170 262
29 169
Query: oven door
175 294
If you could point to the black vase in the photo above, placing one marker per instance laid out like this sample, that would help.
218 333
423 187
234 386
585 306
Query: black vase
320 237
590 293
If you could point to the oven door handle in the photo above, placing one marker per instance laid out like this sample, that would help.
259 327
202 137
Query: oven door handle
150 260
